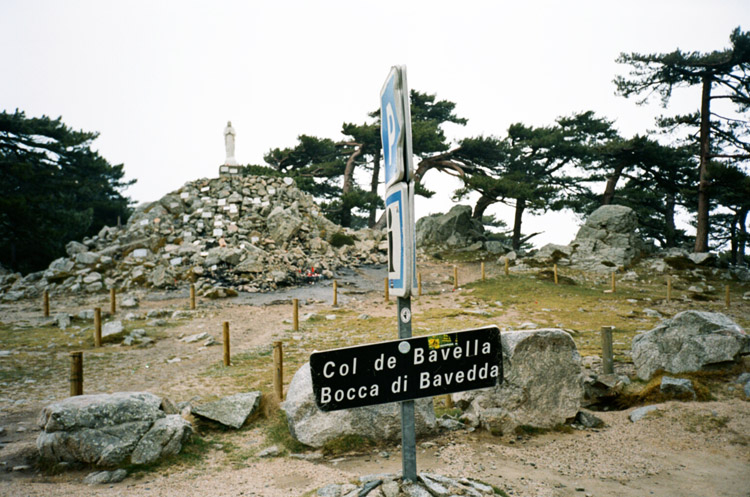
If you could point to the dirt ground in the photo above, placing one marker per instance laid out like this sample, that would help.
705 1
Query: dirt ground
684 448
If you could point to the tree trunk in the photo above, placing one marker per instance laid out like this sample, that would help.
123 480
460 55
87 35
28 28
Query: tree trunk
670 230
371 220
481 206
733 249
701 232
346 208
520 206
742 237
609 190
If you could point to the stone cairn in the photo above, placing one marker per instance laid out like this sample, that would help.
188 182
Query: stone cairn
229 234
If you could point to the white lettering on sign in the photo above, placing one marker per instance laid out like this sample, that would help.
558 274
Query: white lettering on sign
469 349
362 392
343 369
427 380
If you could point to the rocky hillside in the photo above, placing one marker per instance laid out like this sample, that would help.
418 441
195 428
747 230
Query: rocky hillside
228 234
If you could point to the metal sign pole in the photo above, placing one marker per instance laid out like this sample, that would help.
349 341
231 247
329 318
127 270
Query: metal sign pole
408 428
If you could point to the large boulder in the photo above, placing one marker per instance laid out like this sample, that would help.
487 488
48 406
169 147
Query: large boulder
542 384
230 411
453 230
313 427
110 429
607 240
690 341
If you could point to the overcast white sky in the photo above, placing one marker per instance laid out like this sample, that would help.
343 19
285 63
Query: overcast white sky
160 79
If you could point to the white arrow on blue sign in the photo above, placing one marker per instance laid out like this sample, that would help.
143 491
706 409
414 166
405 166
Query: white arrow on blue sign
402 261
395 129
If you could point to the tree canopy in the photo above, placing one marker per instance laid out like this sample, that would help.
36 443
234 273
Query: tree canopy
53 189
724 75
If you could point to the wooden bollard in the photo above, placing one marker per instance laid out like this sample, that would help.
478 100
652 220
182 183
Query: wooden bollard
335 293
669 288
727 297
484 276
554 269
97 327
278 371
76 373
192 297
507 263
448 401
112 301
386 290
614 288
419 284
607 359
227 362
46 304
455 277
295 314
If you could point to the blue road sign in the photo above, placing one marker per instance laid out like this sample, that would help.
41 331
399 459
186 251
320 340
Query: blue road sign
394 106
399 213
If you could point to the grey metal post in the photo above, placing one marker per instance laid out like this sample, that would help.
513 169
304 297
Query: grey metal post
408 429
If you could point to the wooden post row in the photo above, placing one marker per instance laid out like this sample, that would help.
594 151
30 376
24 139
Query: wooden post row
607 358
98 327
455 277
386 290
76 373
278 369
295 314
225 333
335 293
483 273
555 272
46 304
507 263
192 297
112 301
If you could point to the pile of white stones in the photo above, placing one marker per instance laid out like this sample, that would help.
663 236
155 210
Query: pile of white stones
229 234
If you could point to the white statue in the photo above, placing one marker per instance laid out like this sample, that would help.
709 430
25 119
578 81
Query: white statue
229 144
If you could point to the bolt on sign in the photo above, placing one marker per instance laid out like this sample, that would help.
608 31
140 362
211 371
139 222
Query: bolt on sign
407 369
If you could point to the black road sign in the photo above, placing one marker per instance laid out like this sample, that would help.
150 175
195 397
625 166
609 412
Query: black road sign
407 369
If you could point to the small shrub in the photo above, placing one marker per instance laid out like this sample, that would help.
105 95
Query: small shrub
340 239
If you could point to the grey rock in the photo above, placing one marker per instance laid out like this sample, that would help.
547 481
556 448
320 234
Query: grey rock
92 277
677 387
588 419
195 338
104 429
330 490
86 315
231 411
102 477
87 258
271 451
746 389
62 320
743 378
284 224
641 412
165 438
450 424
702 258
607 240
313 427
73 248
542 384
691 341
454 229
112 328
129 302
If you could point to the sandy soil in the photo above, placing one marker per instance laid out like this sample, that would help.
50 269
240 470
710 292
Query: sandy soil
684 448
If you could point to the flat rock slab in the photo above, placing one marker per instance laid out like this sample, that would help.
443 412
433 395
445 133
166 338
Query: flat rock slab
231 411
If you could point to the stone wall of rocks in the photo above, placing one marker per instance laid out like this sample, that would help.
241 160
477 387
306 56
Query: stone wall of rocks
239 233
